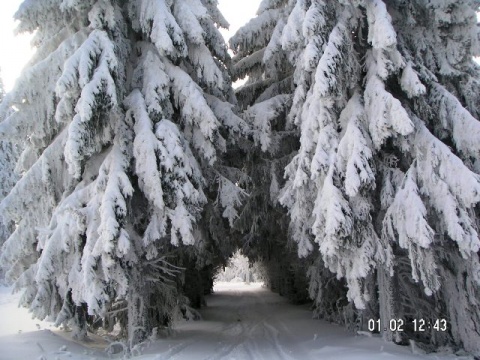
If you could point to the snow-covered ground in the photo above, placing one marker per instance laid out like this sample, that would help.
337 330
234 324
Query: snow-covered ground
240 322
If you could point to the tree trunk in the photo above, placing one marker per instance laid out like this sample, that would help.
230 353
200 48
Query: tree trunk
80 323
137 313
386 303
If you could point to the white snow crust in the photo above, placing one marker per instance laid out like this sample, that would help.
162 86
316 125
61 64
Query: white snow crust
239 322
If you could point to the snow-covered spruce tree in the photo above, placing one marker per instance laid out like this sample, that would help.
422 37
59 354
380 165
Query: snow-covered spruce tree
8 157
125 108
385 185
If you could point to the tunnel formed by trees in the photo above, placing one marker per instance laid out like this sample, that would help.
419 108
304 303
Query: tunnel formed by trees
348 164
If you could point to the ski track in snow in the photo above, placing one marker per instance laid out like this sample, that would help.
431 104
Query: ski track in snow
240 322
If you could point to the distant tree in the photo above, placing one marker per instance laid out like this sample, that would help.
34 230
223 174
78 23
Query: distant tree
125 108
384 188
239 268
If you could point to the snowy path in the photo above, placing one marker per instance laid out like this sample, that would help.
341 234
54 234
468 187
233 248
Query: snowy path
240 322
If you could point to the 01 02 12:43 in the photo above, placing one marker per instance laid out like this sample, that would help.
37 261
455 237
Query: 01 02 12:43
419 325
